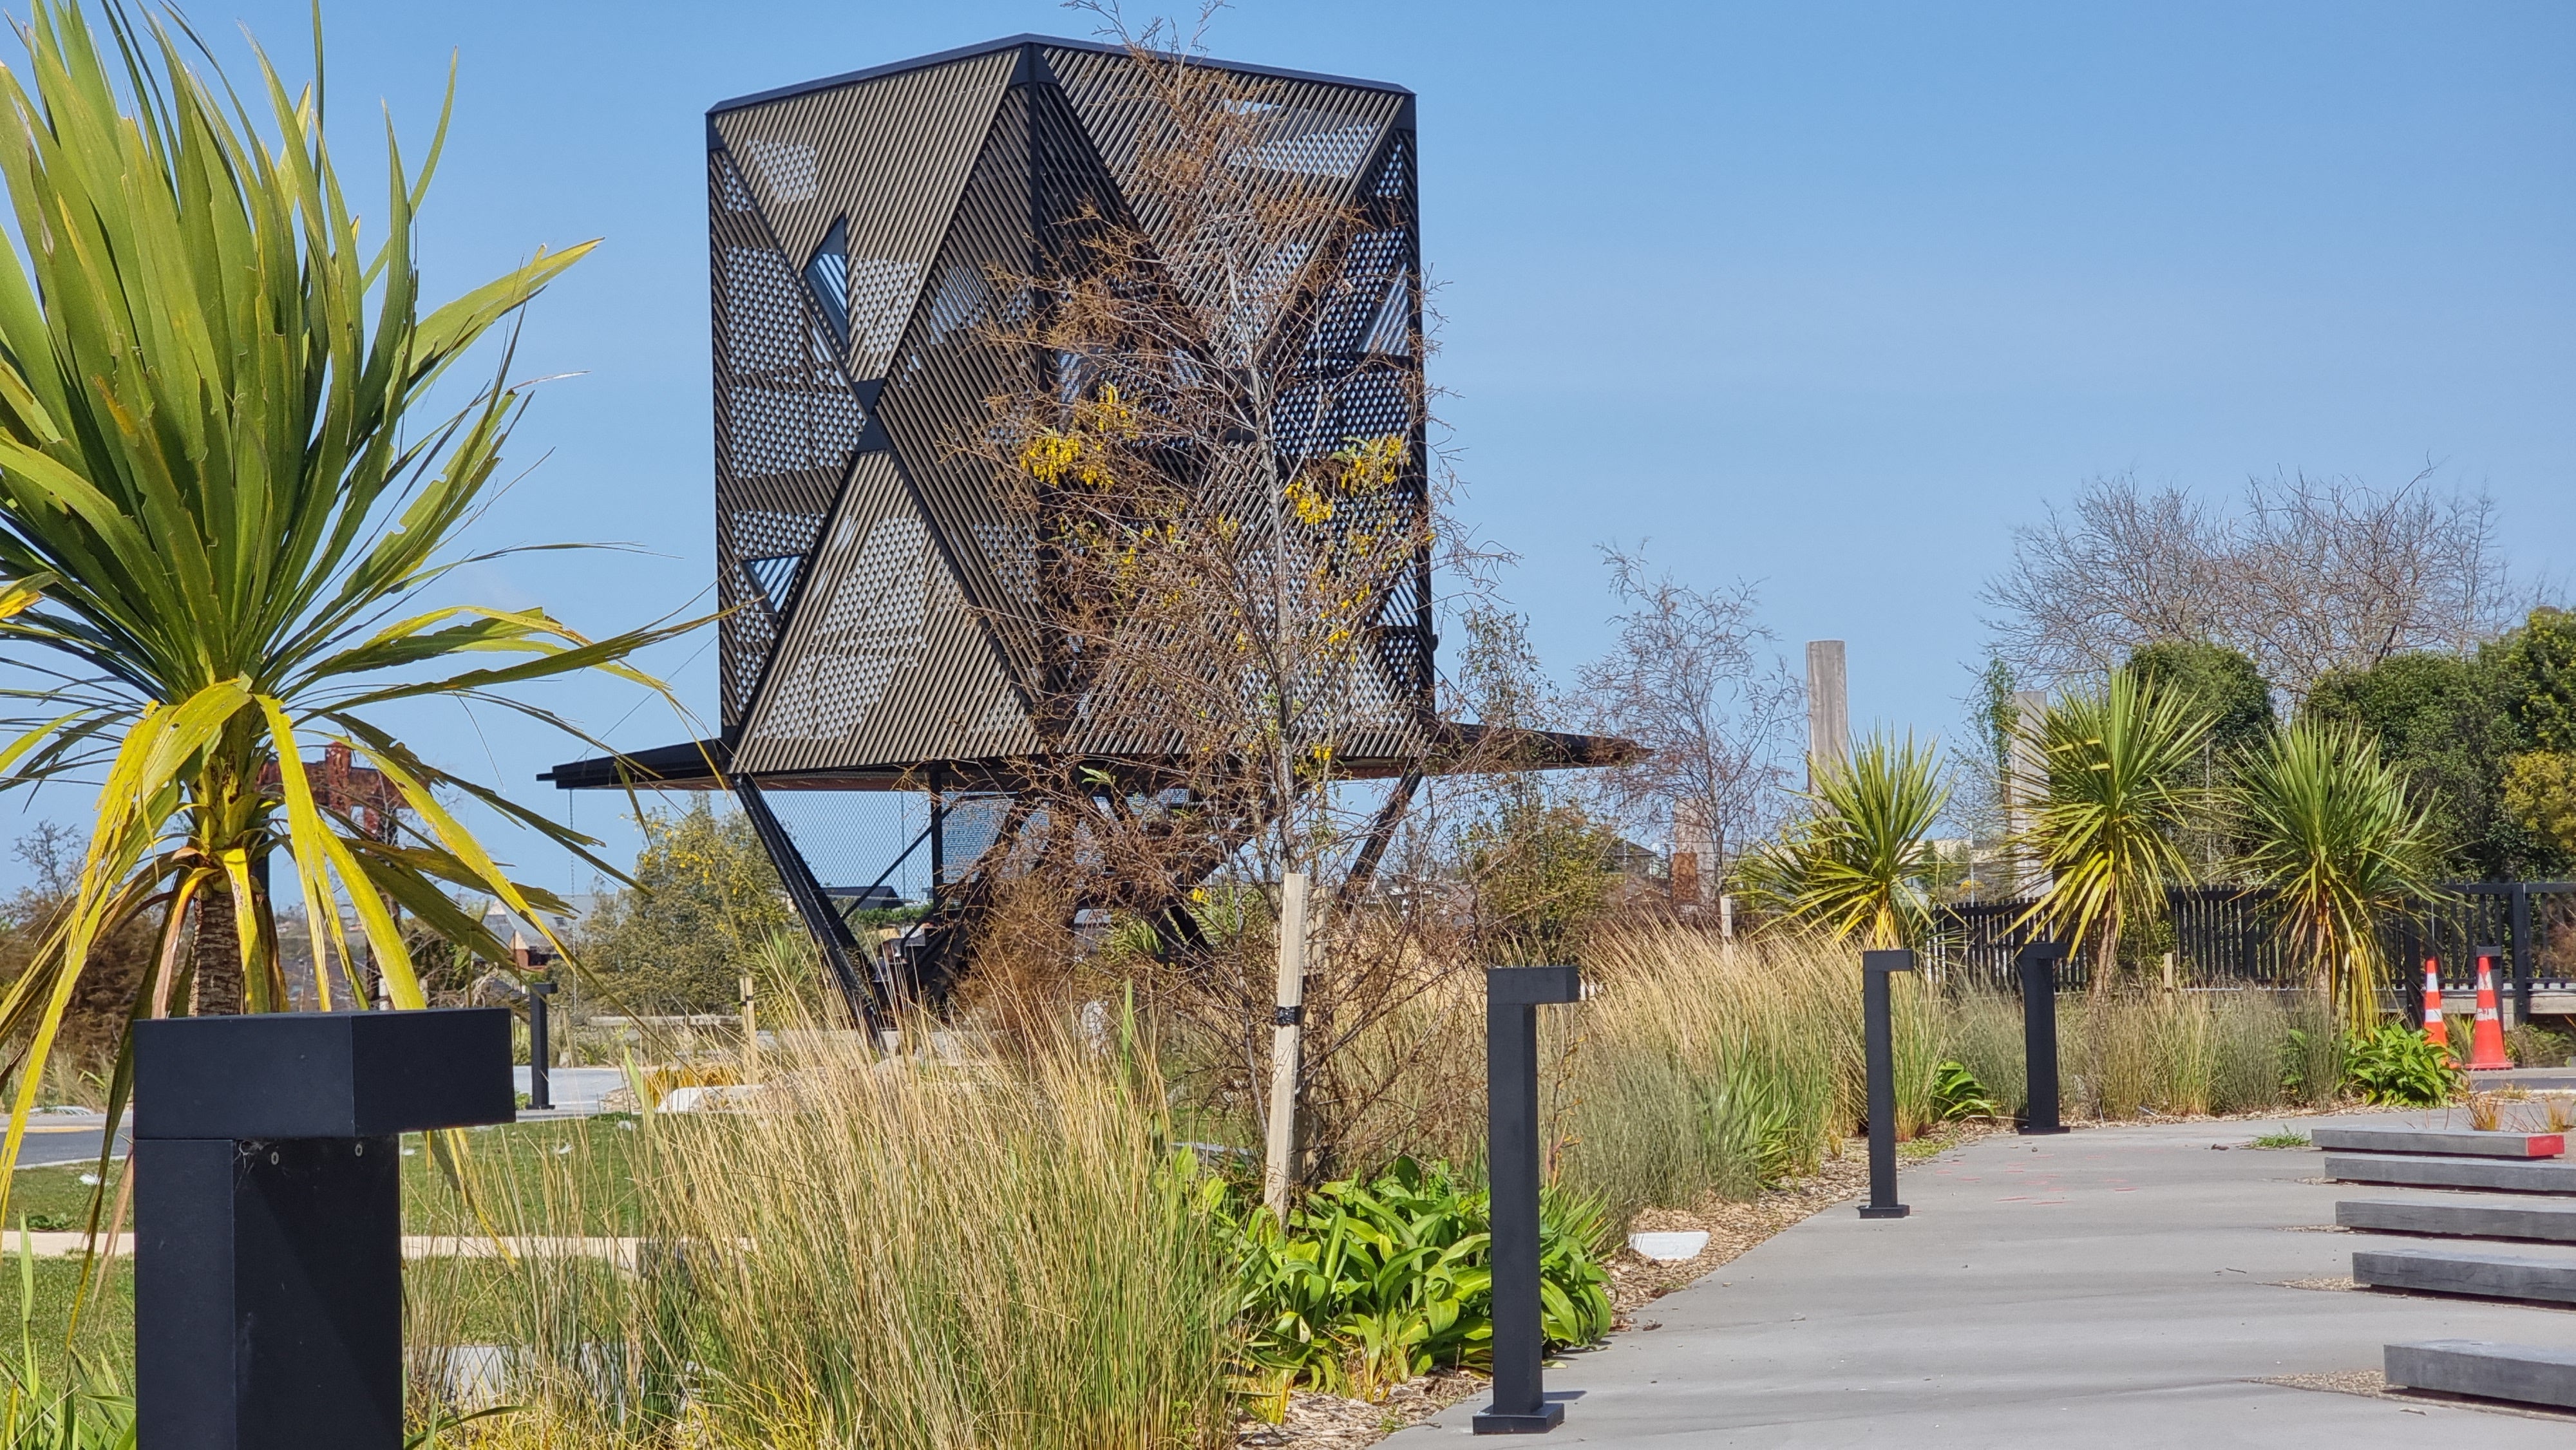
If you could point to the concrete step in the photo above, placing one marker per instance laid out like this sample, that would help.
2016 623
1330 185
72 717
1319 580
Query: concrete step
2458 1271
2553 1176
2527 1374
2462 1142
2461 1218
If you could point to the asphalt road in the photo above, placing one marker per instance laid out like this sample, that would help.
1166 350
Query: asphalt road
62 1138
575 1090
57 1138
2116 1287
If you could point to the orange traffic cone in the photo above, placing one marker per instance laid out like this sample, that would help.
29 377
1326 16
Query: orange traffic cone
2436 1031
2486 1043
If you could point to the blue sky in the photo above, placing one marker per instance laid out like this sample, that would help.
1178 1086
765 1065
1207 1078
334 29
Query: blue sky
1827 296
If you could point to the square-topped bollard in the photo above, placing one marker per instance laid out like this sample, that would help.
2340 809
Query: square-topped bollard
1512 999
2038 963
268 1215
1878 1052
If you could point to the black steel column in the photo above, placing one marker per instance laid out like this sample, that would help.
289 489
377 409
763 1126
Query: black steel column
1512 995
938 838
541 1093
1878 1034
2038 963
2521 953
831 934
268 1215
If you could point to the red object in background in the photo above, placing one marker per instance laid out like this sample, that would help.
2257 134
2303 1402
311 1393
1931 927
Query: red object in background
2486 1044
2436 1031
358 794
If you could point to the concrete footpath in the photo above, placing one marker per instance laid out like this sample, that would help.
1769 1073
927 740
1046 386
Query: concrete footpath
2113 1287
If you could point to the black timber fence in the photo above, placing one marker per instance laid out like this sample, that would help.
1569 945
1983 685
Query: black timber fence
2226 936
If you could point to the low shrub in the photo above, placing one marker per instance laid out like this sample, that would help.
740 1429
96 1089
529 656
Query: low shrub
2394 1066
2531 1045
1957 1095
1371 1283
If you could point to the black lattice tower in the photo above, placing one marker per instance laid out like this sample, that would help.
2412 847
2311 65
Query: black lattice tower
861 229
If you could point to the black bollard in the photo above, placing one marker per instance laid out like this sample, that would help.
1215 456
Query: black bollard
541 1092
1879 1038
1512 998
268 1215
2038 963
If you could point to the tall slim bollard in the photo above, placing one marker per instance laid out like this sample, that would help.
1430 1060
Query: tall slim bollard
1878 1034
529 958
1512 998
2038 963
268 1215
541 1090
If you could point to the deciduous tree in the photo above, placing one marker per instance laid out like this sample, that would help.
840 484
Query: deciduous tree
1695 681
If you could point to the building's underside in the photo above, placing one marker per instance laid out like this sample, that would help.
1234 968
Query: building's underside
880 709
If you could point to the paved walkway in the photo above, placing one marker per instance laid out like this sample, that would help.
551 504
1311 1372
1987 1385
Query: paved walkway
2115 1287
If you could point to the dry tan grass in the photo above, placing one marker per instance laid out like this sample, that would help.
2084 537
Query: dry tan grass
908 1253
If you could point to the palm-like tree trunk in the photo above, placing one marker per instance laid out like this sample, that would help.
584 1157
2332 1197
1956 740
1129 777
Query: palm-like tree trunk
216 955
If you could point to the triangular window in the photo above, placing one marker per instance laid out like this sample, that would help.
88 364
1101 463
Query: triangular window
775 578
827 275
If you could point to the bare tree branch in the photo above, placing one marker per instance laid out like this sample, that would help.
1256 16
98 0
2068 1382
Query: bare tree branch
2310 575
1694 678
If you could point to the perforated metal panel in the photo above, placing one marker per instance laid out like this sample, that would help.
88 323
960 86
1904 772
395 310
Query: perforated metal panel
863 231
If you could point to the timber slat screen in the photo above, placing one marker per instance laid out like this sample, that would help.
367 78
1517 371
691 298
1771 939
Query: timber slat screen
2224 937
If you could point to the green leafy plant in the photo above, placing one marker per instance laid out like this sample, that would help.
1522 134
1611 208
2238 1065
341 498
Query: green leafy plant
1372 1283
2283 1137
2332 830
2119 769
1859 865
1958 1096
226 506
94 1411
2392 1065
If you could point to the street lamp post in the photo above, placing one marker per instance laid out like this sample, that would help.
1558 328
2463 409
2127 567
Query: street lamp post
1512 998
2038 963
268 1214
1879 1040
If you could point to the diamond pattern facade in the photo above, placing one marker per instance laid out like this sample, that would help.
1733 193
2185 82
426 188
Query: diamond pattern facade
878 634
859 228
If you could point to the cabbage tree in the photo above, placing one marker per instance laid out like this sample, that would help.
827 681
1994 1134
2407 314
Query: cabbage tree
1859 864
2121 770
2333 832
224 494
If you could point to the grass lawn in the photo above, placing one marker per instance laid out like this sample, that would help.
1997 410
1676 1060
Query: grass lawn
460 1301
43 1304
584 1163
584 1168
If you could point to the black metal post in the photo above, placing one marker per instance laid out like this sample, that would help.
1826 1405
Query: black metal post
2521 953
268 1215
938 837
1512 996
2038 963
1879 1038
829 930
541 1093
